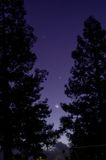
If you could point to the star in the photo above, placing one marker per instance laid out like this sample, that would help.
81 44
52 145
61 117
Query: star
57 106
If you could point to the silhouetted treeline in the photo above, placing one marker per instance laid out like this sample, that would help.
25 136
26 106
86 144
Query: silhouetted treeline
24 131
86 121
23 127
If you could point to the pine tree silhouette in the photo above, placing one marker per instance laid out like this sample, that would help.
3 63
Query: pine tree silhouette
23 126
86 122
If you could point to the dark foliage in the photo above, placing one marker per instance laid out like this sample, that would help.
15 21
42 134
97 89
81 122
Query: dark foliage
86 121
23 127
60 151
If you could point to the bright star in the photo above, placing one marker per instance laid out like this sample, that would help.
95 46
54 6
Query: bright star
57 106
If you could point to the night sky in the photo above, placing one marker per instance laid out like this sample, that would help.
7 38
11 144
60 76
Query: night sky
57 23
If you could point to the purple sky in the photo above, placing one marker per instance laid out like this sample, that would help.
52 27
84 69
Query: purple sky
57 24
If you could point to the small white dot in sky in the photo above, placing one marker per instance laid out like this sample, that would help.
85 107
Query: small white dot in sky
57 106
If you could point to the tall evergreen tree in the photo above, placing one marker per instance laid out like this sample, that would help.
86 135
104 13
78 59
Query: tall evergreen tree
86 122
23 127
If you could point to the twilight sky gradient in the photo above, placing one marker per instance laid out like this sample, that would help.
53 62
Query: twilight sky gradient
57 24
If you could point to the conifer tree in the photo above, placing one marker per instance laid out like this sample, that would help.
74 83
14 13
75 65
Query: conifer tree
86 122
23 127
